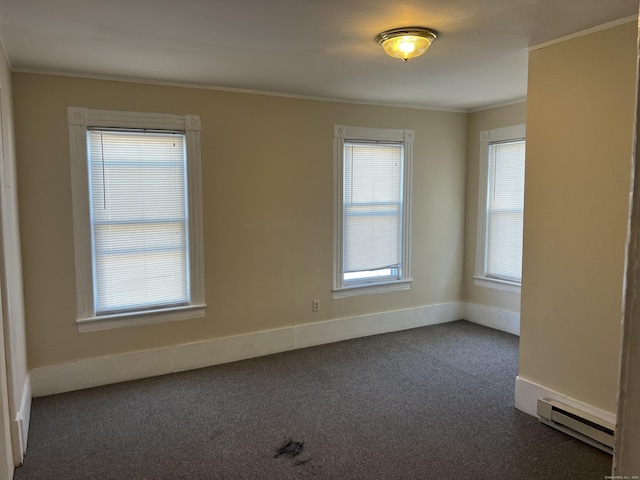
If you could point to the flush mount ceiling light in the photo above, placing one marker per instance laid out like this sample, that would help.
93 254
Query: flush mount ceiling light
407 42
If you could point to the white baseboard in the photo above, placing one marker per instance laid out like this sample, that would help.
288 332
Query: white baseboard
528 393
362 326
493 317
23 417
97 371
131 366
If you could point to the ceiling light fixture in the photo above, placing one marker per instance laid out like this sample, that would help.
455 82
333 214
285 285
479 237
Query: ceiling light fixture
407 42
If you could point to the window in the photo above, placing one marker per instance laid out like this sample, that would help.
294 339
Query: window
372 210
501 208
137 217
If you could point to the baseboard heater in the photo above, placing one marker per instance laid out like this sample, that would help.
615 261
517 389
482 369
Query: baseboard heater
578 424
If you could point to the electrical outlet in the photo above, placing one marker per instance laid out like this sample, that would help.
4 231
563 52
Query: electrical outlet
316 305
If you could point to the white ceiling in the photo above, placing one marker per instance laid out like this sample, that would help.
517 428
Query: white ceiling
316 48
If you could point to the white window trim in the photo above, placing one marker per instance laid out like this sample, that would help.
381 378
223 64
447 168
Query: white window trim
340 134
487 137
80 119
497 284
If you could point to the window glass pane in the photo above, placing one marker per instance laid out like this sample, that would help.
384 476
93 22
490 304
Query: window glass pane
505 208
139 220
372 210
384 272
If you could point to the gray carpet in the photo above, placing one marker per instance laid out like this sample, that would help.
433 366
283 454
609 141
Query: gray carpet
428 403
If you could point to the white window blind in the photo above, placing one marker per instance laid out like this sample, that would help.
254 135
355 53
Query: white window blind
505 208
372 210
139 221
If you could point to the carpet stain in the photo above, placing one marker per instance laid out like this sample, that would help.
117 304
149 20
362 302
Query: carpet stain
289 448
292 449
301 462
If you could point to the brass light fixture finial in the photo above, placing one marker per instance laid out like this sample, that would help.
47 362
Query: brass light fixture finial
406 42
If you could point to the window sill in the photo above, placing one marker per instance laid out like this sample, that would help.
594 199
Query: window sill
134 319
497 284
352 291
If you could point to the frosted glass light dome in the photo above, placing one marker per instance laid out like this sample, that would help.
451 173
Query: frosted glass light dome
406 43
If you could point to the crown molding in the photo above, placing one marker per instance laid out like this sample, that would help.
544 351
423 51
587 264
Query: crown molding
162 83
582 33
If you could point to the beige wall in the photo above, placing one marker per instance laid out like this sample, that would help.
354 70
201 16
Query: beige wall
499 117
6 451
10 260
626 460
267 180
579 133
